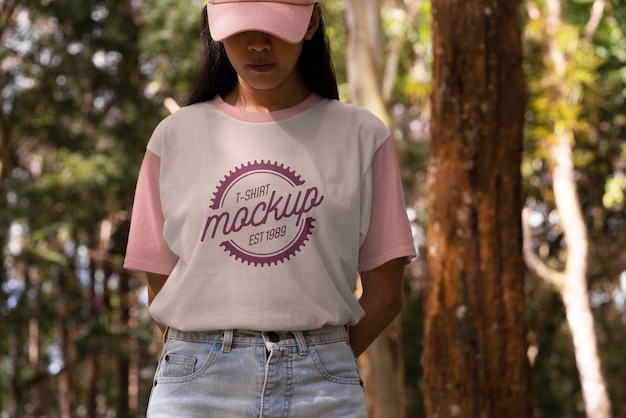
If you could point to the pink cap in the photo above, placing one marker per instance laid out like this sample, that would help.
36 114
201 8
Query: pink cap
285 19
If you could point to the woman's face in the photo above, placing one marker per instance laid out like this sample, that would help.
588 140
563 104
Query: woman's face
268 66
264 62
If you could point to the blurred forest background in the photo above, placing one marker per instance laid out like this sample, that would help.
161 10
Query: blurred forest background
83 84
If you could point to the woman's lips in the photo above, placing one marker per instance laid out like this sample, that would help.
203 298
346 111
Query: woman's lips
261 67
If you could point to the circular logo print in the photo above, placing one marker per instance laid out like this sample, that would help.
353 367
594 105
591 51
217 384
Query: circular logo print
260 213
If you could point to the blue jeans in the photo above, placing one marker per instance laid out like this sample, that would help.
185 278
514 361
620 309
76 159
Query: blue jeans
245 374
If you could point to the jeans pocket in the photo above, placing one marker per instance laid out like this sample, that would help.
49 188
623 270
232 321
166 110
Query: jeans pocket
336 362
178 366
183 360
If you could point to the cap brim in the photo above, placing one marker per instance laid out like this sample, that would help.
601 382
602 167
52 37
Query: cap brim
288 22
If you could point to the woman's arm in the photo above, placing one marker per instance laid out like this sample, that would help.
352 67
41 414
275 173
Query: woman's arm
381 300
155 283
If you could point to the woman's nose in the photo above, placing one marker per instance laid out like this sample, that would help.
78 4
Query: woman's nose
259 41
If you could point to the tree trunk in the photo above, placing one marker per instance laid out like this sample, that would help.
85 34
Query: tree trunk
134 370
67 388
365 56
92 367
574 289
475 361
572 283
382 364
16 404
124 356
34 354
383 375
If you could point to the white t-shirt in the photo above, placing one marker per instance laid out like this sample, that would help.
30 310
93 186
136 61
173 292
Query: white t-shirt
262 220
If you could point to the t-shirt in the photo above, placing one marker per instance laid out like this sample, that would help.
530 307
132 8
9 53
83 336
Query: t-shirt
262 220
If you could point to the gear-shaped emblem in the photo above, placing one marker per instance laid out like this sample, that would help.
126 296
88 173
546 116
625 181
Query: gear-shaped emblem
261 209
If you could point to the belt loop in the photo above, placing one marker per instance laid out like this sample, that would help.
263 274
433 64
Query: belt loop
165 333
228 341
303 350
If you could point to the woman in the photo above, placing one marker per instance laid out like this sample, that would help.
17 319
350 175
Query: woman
256 206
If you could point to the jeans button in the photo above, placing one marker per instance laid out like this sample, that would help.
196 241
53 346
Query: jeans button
273 337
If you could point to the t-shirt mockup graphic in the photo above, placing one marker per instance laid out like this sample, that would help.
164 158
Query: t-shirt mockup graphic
262 220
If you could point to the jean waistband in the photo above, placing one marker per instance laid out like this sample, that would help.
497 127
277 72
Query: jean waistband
228 338
321 335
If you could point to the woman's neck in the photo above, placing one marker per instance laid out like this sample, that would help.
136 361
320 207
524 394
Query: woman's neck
265 101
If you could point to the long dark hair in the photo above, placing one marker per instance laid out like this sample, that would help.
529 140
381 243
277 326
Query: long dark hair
217 76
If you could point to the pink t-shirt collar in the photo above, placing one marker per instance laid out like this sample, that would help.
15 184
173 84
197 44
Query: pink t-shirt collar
276 116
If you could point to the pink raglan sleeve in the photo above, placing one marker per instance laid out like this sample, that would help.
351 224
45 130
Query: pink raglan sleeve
147 250
389 234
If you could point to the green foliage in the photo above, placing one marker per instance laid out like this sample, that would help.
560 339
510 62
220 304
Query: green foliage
614 193
170 45
334 17
413 80
556 97
75 122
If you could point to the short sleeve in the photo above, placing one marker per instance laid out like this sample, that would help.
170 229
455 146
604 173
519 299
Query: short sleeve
147 250
389 234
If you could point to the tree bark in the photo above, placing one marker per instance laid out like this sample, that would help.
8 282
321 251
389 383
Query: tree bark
475 350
